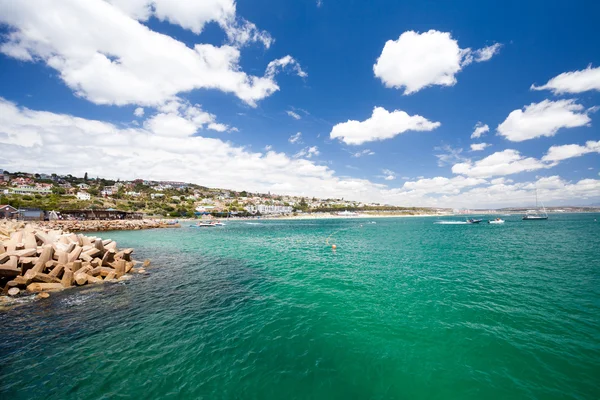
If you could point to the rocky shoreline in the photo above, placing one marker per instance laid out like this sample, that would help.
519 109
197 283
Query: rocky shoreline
40 258
107 225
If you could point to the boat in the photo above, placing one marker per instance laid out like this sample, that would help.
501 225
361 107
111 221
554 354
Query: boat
209 224
474 221
496 221
535 215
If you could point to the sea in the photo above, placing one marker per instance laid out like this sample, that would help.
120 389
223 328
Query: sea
402 308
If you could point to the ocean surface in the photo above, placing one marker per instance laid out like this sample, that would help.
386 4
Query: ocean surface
404 308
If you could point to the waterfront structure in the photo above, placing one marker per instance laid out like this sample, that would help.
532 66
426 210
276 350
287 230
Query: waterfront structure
7 211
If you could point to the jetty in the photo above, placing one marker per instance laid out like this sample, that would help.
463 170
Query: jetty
37 259
107 225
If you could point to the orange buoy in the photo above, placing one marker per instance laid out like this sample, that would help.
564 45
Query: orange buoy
333 246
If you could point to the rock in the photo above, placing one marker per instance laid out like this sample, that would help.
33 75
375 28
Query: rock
81 279
120 268
38 287
141 271
67 279
14 291
42 295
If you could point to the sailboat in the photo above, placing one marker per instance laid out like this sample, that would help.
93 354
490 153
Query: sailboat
535 215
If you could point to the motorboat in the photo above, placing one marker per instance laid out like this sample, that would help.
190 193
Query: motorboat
474 221
210 224
496 221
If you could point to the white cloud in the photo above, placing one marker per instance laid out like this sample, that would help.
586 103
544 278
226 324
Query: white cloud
268 147
418 60
280 64
37 141
505 162
182 119
441 185
319 3
559 153
389 175
486 53
308 152
139 112
573 82
194 15
501 181
449 155
293 115
365 152
543 119
479 146
107 57
479 130
380 126
295 138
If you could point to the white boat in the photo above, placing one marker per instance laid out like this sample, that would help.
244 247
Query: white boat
496 221
535 215
209 224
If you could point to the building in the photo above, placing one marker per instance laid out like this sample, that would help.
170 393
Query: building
30 214
156 195
100 214
83 186
7 212
83 196
24 190
267 209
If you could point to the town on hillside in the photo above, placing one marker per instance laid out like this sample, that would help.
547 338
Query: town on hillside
43 196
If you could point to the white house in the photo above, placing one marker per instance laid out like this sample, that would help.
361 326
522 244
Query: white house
156 195
83 196
83 186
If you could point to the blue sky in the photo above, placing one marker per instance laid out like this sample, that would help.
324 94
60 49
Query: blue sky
225 86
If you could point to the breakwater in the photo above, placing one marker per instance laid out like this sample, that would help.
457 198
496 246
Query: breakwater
108 225
38 259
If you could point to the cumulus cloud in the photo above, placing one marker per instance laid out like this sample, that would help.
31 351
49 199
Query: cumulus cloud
479 146
380 126
388 174
293 115
295 138
182 119
417 60
573 82
479 130
194 15
559 153
121 61
442 185
504 162
543 119
37 141
138 112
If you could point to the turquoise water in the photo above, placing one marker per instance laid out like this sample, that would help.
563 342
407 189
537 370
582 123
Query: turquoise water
403 309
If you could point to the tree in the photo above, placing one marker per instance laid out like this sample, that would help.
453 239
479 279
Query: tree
85 177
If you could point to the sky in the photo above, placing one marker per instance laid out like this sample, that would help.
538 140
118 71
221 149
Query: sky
416 103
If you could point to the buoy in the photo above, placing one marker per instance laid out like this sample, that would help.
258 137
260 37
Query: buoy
333 246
